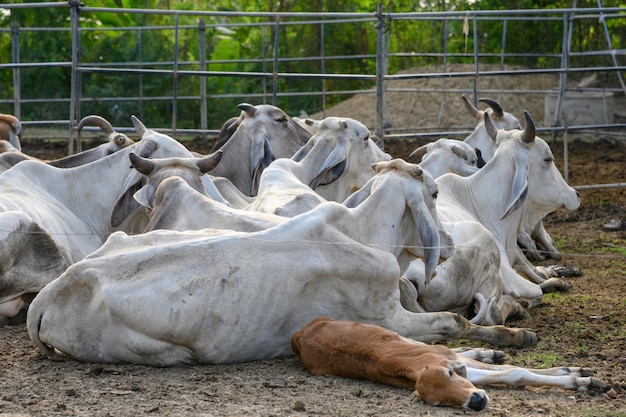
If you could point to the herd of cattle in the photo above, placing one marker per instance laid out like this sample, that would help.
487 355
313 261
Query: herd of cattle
292 236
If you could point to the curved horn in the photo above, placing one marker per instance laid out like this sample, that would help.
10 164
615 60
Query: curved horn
99 121
143 165
528 135
147 148
418 153
471 108
140 128
492 130
209 162
248 108
495 106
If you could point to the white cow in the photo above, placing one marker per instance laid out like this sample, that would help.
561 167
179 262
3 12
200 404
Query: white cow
115 142
51 218
261 134
11 130
479 139
334 163
164 298
177 200
533 238
520 171
476 291
446 156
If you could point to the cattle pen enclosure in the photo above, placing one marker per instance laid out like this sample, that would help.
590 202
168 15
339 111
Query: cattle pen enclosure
584 326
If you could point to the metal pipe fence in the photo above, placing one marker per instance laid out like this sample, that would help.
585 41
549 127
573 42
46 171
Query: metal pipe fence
378 24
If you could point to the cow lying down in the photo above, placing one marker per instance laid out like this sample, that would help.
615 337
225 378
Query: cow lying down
440 375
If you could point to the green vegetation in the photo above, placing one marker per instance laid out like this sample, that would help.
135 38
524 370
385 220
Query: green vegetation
247 44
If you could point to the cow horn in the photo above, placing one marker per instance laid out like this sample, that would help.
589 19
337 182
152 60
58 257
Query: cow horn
143 165
248 108
99 121
418 153
140 128
492 130
528 135
495 106
471 108
147 148
209 162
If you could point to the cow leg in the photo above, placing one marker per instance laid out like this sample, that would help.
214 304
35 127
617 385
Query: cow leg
490 356
450 326
509 307
520 377
554 285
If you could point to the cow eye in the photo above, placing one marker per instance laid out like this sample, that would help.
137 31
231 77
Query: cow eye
435 194
282 119
548 160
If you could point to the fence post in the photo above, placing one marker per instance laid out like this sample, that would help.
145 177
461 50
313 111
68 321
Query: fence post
175 81
74 96
275 76
379 129
15 52
202 54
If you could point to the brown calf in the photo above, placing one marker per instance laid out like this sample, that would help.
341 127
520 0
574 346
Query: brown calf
440 375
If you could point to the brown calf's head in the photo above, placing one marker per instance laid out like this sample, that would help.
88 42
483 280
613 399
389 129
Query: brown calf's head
443 382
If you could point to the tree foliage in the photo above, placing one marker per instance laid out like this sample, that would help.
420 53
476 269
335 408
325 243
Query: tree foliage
244 44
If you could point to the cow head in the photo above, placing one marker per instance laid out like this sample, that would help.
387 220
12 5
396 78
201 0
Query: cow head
272 134
190 170
443 382
537 178
446 155
479 139
414 193
346 149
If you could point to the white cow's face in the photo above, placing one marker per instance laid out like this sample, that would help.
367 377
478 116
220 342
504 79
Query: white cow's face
273 122
548 190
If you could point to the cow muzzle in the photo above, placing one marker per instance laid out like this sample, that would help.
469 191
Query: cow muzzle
478 401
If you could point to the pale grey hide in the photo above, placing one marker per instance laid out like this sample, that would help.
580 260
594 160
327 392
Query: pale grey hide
498 195
533 238
53 217
333 164
446 156
263 133
140 299
114 142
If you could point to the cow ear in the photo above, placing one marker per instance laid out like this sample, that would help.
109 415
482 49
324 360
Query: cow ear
358 196
333 166
260 157
145 195
125 205
460 152
303 151
519 190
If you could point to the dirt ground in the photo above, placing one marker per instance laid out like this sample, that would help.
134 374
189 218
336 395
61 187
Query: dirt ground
585 326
